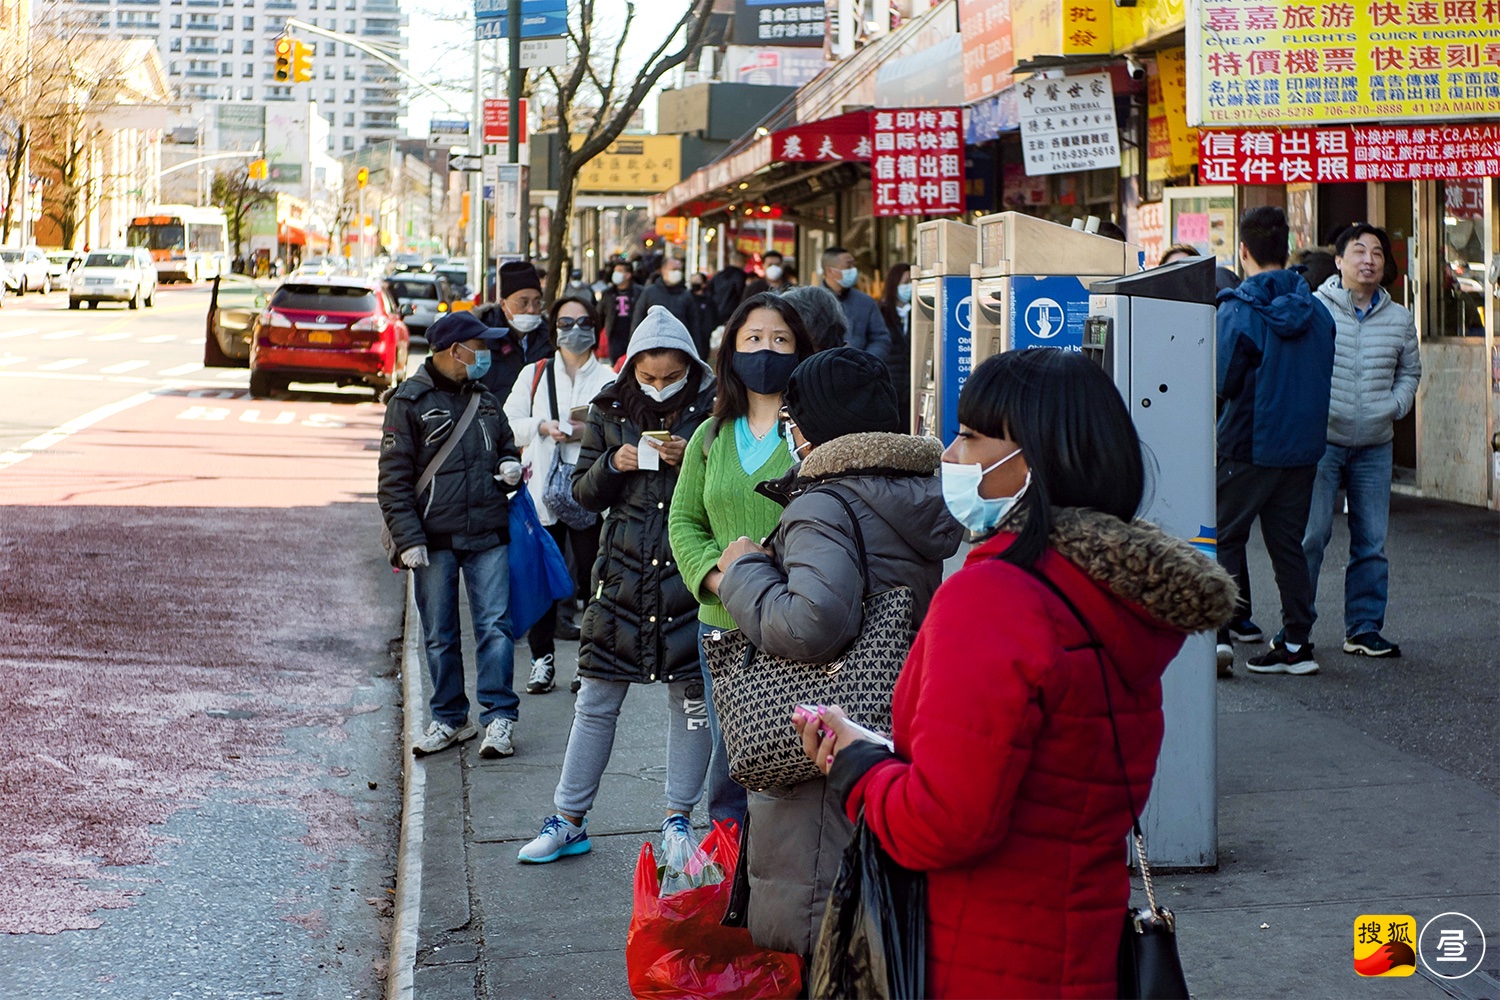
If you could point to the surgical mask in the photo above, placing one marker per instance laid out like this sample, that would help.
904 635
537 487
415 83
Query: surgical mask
773 272
903 292
577 340
525 322
786 432
672 277
665 393
481 364
961 494
765 372
848 276
619 278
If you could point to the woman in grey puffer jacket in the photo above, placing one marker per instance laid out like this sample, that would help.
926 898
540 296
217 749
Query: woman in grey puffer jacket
801 599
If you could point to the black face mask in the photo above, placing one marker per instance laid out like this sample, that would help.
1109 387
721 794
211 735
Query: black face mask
765 372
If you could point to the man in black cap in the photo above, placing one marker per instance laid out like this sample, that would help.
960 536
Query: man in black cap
524 339
457 521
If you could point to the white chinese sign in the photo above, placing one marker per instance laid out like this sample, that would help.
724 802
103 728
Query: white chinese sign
1068 124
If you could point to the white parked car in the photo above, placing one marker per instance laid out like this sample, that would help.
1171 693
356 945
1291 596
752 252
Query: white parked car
4 282
60 264
125 274
26 270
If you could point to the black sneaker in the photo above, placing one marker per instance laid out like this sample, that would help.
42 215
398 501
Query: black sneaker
1371 644
1245 630
1277 660
567 630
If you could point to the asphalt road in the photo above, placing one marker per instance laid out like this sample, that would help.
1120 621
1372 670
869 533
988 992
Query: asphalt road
200 789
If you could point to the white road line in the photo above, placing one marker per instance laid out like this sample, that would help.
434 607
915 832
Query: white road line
165 338
25 331
11 359
176 370
62 334
123 367
110 336
65 363
232 373
52 437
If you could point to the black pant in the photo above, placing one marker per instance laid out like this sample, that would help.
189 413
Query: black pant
580 549
1281 499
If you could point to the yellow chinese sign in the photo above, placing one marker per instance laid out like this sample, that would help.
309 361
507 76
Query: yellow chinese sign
1306 62
1172 65
1147 20
633 164
1068 27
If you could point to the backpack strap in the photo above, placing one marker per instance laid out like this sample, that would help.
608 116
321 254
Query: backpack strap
536 379
551 387
710 435
459 429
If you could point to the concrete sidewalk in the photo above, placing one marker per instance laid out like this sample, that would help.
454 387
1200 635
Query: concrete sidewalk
1368 788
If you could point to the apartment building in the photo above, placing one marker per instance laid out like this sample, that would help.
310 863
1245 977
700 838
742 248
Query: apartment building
222 50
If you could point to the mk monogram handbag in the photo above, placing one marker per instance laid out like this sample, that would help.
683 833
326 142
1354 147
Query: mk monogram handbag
755 692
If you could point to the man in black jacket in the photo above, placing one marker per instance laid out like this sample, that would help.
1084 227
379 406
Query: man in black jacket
616 306
673 293
726 290
458 521
517 333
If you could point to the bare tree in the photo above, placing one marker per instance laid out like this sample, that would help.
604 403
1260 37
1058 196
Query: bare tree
617 101
234 192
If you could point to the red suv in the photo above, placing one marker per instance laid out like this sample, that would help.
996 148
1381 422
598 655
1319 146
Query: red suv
329 329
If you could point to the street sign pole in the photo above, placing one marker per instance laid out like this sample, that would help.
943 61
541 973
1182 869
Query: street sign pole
516 75
476 188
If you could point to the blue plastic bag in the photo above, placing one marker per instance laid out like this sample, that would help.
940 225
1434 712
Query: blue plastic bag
539 574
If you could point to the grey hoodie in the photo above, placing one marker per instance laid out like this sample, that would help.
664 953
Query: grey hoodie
1376 367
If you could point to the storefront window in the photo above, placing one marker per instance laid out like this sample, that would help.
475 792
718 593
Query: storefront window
1460 288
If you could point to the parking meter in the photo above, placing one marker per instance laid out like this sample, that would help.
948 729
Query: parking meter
1030 284
941 324
1154 332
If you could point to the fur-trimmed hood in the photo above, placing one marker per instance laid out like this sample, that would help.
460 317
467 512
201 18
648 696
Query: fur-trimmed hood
872 453
1166 578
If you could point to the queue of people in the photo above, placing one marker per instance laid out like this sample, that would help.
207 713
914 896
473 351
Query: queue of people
768 485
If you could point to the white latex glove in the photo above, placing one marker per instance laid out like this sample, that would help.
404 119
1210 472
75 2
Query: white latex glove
414 557
510 472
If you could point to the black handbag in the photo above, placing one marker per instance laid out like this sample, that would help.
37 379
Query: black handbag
1148 965
557 492
755 692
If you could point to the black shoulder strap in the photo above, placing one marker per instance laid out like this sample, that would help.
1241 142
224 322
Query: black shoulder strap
551 386
1098 648
859 535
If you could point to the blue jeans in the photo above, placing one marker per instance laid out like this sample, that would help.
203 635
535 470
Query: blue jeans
486 576
1365 474
726 797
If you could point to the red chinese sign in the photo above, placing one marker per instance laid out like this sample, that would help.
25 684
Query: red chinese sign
917 161
1348 153
846 137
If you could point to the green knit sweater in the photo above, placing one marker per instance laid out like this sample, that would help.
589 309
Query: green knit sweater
715 503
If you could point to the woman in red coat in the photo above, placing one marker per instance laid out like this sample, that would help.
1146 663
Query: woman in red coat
1005 787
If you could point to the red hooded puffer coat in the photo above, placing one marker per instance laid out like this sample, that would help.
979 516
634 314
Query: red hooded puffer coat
1007 789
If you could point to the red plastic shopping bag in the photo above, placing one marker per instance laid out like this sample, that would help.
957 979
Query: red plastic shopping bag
678 949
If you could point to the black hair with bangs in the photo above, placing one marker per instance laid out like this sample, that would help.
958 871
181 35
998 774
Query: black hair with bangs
1072 427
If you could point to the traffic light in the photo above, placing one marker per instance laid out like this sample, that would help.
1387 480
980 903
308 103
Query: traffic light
362 176
302 57
258 170
283 73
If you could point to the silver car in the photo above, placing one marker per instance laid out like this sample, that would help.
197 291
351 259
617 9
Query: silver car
126 274
421 297
26 270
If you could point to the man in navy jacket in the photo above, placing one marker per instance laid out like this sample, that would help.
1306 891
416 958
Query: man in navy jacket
1275 366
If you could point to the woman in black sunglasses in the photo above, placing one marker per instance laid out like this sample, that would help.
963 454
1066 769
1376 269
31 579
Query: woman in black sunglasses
544 409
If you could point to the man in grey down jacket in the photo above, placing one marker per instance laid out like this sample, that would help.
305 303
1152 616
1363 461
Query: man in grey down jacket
1376 368
460 521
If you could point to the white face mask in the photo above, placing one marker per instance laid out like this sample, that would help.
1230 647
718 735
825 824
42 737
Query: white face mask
666 392
525 322
672 277
773 272
961 494
619 277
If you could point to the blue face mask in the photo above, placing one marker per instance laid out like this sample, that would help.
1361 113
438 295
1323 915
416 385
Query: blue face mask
903 292
481 364
961 493
849 276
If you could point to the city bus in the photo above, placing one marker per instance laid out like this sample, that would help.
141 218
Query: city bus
188 242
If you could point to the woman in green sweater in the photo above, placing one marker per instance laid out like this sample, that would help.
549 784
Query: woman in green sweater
715 501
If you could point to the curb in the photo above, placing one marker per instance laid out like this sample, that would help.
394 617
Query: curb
401 970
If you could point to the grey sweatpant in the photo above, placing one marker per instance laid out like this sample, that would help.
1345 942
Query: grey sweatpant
595 713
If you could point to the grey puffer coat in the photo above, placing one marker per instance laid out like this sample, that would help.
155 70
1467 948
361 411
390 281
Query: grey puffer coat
804 602
1376 367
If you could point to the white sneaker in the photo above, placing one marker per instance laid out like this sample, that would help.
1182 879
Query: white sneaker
543 675
497 739
440 736
558 839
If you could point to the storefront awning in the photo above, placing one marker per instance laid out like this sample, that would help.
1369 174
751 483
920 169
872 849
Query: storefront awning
290 234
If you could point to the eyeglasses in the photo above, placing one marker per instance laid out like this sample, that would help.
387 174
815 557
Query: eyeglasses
568 323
